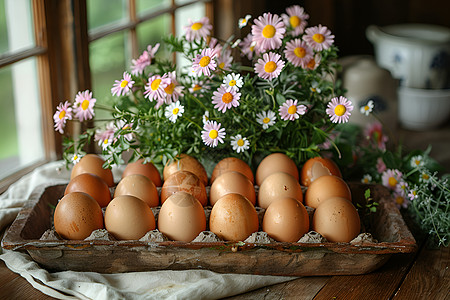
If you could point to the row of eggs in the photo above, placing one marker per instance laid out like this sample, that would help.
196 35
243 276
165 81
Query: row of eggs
232 197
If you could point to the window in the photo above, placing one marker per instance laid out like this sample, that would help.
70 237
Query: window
51 49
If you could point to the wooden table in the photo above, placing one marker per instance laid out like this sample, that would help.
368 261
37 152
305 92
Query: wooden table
421 275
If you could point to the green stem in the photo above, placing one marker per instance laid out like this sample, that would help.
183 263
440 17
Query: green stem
192 122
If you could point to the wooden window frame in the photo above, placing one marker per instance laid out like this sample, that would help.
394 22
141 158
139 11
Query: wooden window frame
62 53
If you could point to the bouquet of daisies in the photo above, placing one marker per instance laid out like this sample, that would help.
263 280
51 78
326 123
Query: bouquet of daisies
285 98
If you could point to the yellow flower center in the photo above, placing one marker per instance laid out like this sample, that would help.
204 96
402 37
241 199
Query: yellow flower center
313 90
123 84
295 21
62 114
75 157
340 110
318 38
266 120
270 67
85 104
196 26
417 162
300 52
392 181
399 200
196 87
155 84
232 82
222 65
268 31
425 176
170 88
311 64
227 97
204 61
292 109
175 111
252 48
213 134
105 141
366 108
240 142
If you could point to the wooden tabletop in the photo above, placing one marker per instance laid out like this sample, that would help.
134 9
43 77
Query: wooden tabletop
421 275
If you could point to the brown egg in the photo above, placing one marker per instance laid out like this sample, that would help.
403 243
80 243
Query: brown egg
185 162
337 220
149 170
233 218
92 163
139 186
232 164
92 185
286 220
232 182
187 182
76 215
277 186
181 217
128 218
316 167
273 163
324 188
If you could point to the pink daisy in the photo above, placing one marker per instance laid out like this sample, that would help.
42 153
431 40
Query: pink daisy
269 66
339 109
105 136
212 133
374 135
84 105
122 87
390 178
298 53
314 62
295 19
248 47
268 31
401 200
205 62
291 111
152 51
224 61
381 166
225 98
319 37
215 46
198 30
127 127
154 89
173 89
138 65
62 114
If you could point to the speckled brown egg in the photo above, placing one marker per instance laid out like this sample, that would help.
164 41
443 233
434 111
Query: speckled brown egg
316 167
233 218
181 217
92 185
128 218
76 215
232 182
273 163
231 164
148 169
286 220
139 186
184 162
187 182
93 163
324 188
337 220
277 186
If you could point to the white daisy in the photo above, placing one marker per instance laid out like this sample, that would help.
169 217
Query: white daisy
234 81
266 118
239 143
173 111
366 179
417 161
212 134
76 158
367 109
244 21
205 117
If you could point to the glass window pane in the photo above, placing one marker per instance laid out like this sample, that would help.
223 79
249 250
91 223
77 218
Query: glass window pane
20 118
152 31
103 12
16 25
148 5
107 63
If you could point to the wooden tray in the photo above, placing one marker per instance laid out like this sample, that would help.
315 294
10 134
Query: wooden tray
293 259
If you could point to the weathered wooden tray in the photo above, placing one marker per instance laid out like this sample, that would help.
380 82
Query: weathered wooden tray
295 259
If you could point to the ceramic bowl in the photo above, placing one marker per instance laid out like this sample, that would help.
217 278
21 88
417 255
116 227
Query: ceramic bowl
417 54
423 109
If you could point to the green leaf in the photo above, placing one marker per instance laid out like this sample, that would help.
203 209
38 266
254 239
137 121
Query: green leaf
367 194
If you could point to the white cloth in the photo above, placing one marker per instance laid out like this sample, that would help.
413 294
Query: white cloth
190 284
